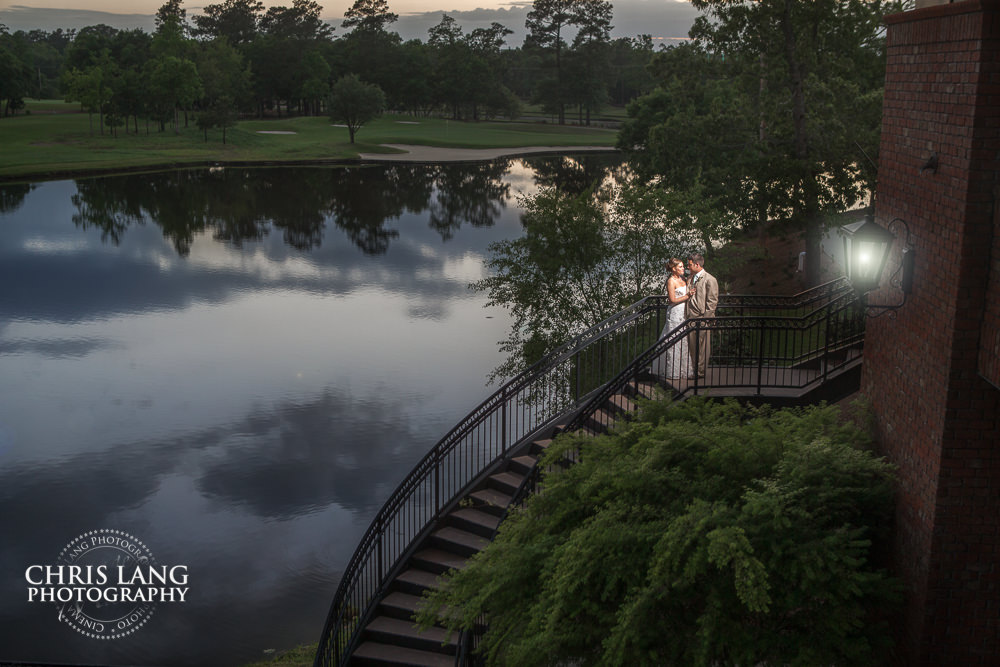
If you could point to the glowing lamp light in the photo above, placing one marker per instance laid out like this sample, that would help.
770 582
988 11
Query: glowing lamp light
866 249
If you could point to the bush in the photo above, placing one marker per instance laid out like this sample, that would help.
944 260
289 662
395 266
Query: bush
700 533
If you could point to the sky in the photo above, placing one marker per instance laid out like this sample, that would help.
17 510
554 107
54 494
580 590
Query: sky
665 20
334 8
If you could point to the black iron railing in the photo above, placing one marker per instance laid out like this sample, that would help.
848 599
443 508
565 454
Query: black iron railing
555 386
521 407
820 333
754 355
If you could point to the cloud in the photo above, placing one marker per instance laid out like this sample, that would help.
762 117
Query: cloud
662 19
20 17
56 349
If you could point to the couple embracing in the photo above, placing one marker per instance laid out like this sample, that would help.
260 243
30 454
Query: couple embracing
697 297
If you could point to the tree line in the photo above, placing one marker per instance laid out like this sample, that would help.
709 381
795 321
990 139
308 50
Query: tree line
237 59
767 121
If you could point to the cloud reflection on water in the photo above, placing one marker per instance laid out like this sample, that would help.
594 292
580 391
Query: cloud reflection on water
241 390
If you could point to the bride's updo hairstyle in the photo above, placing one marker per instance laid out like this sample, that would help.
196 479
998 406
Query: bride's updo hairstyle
673 262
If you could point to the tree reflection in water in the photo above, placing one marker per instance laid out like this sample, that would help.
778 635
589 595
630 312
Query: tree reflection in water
241 205
12 196
573 175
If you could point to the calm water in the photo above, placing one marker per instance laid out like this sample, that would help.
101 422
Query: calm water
235 367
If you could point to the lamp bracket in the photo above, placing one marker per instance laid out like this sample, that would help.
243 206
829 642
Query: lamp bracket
901 278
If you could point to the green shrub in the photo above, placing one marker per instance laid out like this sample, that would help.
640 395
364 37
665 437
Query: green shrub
701 533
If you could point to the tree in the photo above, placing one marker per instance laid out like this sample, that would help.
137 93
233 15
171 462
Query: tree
454 65
370 50
699 533
491 91
354 103
131 49
591 56
43 53
300 22
236 20
217 113
693 137
88 46
546 23
15 77
176 84
817 69
226 85
371 16
170 37
414 92
93 87
468 69
287 60
629 60
171 12
582 258
314 85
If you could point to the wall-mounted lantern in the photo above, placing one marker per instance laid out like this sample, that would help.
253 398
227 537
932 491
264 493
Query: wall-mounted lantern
866 253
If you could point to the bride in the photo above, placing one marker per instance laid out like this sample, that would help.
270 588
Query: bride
675 362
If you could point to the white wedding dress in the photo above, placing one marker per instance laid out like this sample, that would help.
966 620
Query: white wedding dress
675 362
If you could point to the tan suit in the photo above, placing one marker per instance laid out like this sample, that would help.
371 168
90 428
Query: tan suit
703 304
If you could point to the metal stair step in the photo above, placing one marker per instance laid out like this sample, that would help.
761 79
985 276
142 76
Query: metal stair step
459 541
398 632
622 402
474 521
602 419
377 653
645 389
524 463
491 500
401 605
507 482
439 561
415 581
541 445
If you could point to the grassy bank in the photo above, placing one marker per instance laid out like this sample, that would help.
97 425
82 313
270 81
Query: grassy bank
300 656
47 143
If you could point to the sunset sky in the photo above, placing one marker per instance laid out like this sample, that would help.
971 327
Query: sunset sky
330 7
664 20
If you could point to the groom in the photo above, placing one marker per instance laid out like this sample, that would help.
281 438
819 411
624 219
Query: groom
702 304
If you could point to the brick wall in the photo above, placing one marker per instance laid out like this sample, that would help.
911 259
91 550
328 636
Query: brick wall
938 417
989 334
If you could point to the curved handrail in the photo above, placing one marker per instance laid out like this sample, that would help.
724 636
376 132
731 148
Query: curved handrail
843 303
828 290
840 321
530 399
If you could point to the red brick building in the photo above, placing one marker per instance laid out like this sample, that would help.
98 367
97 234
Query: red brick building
933 372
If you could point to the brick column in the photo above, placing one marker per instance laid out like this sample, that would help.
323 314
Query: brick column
926 370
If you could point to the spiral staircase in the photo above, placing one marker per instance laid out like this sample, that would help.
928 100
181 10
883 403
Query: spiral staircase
779 350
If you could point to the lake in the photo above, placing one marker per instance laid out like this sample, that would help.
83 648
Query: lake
233 368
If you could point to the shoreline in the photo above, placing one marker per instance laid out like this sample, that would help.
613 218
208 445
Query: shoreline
438 154
409 153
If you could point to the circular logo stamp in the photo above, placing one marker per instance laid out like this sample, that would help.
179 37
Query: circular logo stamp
100 551
106 584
